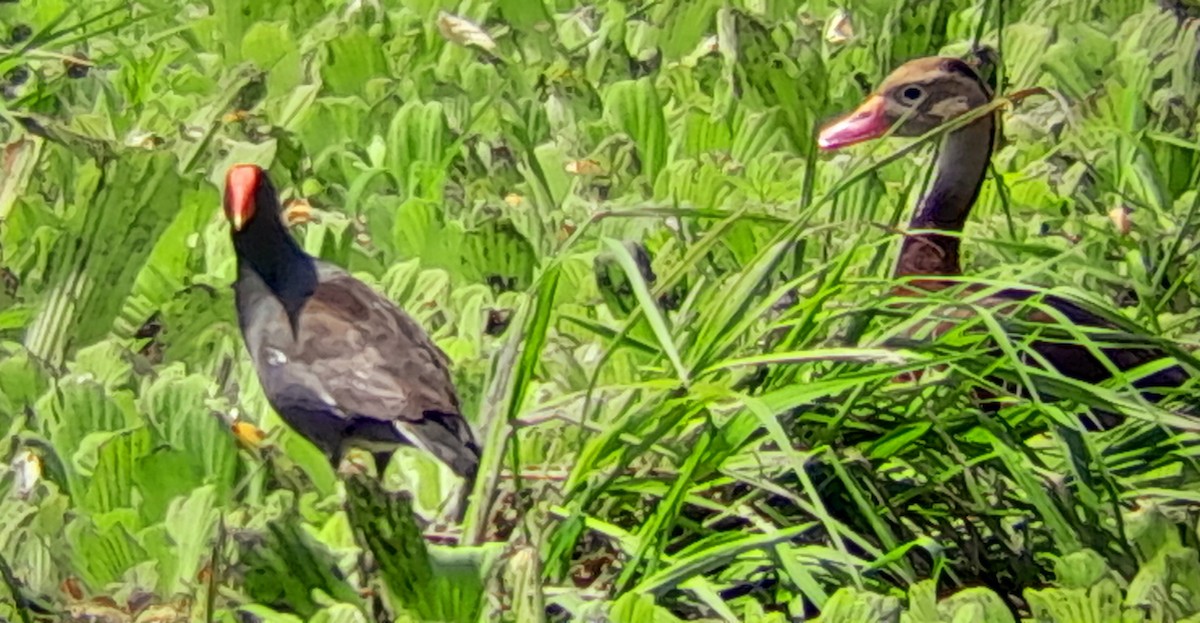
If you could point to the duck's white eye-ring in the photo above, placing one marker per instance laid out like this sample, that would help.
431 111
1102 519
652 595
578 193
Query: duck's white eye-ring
911 94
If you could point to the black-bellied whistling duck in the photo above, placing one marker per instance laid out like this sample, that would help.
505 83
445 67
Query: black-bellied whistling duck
916 98
341 364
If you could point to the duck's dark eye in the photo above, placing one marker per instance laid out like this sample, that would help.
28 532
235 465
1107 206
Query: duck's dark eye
911 94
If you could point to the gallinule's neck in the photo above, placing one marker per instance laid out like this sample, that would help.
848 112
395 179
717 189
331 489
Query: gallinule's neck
265 247
961 164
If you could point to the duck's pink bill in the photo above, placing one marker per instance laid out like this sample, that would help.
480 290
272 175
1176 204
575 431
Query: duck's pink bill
868 121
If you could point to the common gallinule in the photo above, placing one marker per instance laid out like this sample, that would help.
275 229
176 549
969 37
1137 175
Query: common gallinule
341 364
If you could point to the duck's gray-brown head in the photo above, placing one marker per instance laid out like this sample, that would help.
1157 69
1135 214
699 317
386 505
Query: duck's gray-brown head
917 97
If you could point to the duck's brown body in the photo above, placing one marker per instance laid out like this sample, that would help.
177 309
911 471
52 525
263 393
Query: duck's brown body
341 364
916 98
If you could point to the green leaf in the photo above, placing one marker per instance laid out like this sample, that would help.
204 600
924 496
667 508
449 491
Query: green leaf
22 381
1168 585
190 525
285 567
112 486
1099 604
269 615
526 15
118 219
849 605
634 607
272 47
385 525
975 604
103 547
352 59
179 406
494 252
633 107
649 306
1081 569
71 414
416 141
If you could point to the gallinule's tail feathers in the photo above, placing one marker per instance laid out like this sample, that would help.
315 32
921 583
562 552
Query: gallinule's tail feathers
445 437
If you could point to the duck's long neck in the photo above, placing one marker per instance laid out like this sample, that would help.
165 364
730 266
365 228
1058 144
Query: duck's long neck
961 164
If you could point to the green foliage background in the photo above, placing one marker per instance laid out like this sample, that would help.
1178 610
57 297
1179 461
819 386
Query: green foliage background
721 437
